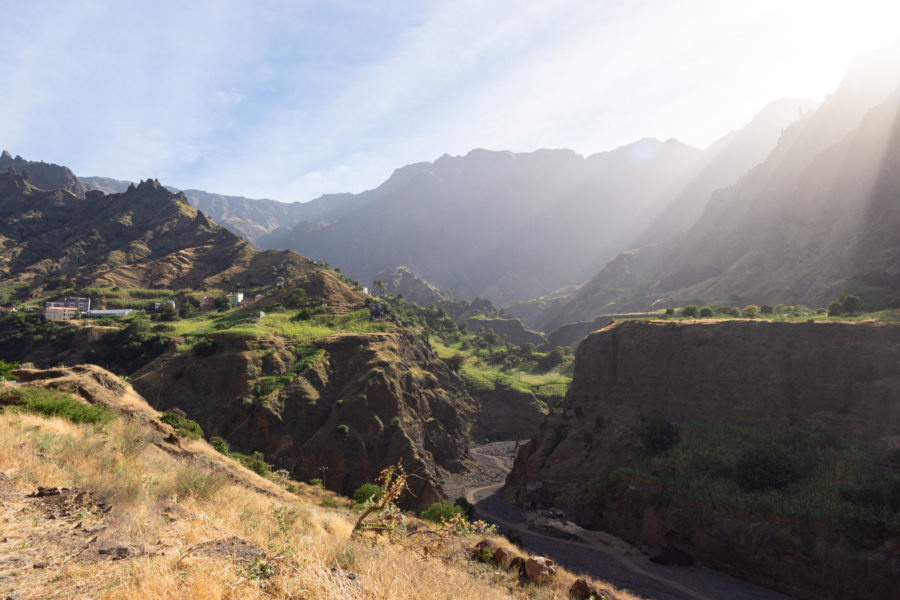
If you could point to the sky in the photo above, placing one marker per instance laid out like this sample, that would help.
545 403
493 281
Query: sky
291 100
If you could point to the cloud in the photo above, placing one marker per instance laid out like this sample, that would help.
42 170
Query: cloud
291 100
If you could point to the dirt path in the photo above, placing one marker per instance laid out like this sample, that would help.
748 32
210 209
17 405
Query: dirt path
636 574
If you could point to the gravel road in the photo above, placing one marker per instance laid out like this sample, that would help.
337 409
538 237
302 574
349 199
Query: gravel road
633 573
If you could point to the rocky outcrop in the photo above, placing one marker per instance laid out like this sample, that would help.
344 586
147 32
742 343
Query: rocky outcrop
368 402
510 330
46 176
507 414
842 378
839 378
572 333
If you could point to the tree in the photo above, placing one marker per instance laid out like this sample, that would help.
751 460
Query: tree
670 312
690 311
706 312
766 309
850 303
751 311
835 309
378 284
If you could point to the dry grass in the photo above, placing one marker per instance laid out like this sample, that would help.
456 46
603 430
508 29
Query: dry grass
167 503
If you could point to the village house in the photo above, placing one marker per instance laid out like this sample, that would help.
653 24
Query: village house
60 313
67 308
235 298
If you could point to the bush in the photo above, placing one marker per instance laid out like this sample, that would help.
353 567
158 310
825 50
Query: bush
657 434
6 370
751 311
468 509
553 358
835 309
219 444
366 492
342 428
441 511
52 403
183 426
670 312
690 311
766 309
765 468
317 482
455 362
706 312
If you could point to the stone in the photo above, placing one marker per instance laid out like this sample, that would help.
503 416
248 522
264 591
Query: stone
539 569
583 589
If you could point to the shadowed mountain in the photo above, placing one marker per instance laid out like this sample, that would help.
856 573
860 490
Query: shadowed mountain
144 237
47 176
492 223
818 217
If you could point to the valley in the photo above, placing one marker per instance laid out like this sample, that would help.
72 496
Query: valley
650 372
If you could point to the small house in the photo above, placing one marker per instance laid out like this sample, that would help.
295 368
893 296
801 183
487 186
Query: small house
111 312
60 313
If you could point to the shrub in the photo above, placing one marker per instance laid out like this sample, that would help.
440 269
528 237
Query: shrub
183 426
657 434
441 511
690 311
765 468
835 309
202 483
219 444
329 503
553 358
6 370
342 428
395 422
366 492
766 309
316 482
751 311
468 509
706 312
255 462
455 362
52 403
670 312
205 347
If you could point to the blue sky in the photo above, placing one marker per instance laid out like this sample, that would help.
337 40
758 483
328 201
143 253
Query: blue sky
290 100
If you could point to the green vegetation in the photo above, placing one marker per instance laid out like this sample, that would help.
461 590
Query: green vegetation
6 371
657 434
52 403
808 477
183 426
367 492
442 511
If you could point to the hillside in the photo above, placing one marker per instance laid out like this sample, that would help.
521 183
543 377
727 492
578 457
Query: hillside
145 237
520 226
105 499
733 443
818 217
477 208
46 176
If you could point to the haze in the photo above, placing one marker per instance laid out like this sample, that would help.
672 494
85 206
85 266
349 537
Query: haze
291 100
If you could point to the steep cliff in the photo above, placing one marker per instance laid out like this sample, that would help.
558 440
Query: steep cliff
364 402
763 449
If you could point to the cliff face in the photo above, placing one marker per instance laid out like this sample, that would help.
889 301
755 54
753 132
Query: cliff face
367 402
836 377
779 381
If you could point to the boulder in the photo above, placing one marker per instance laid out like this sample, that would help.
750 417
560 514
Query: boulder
539 569
583 589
